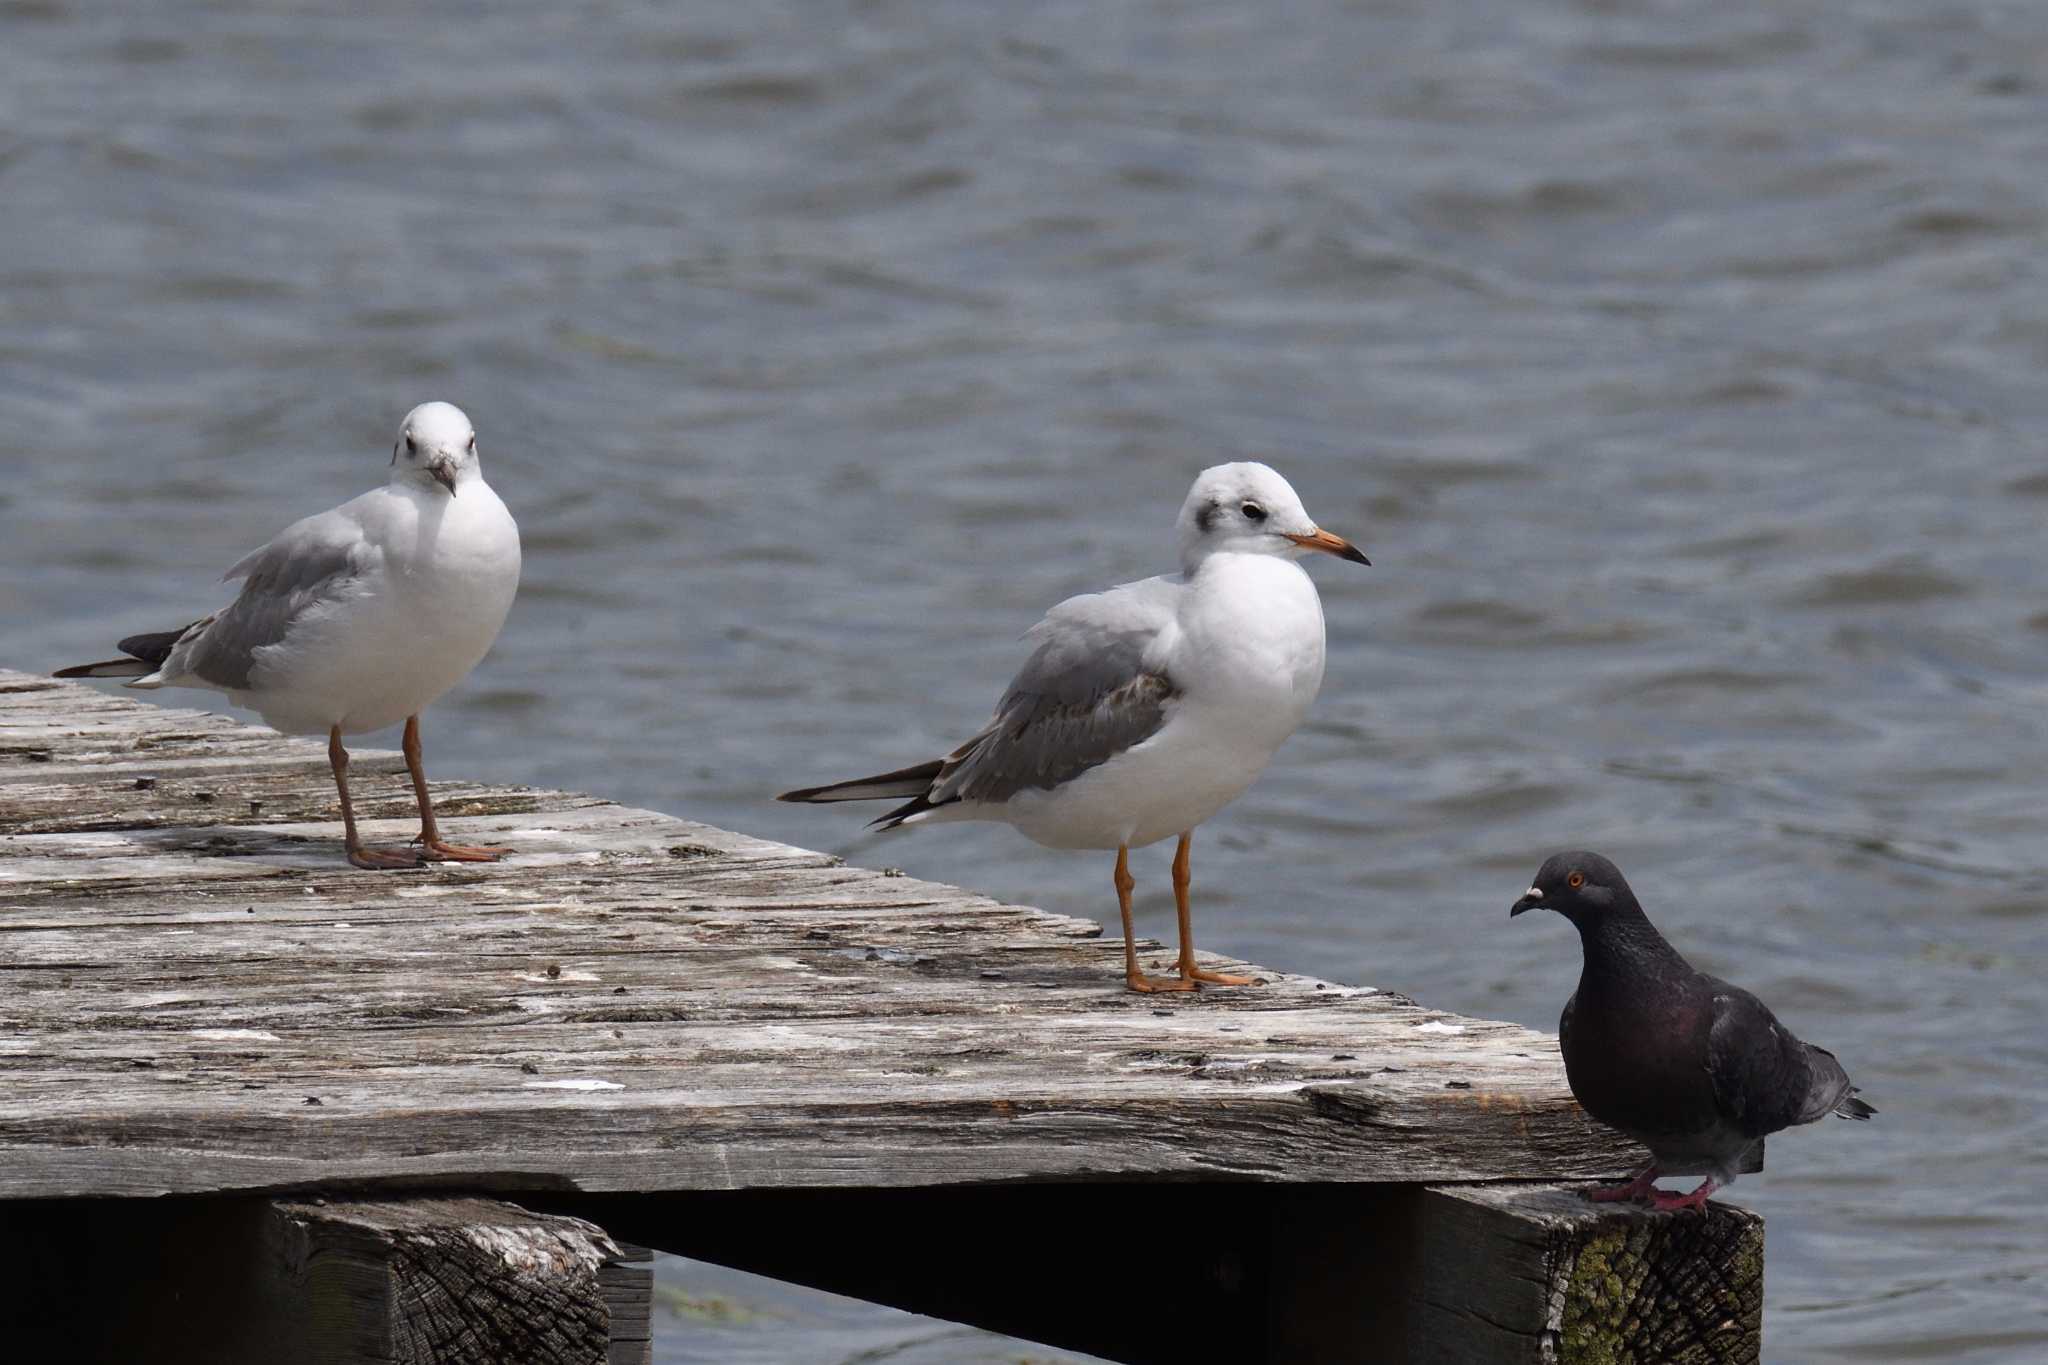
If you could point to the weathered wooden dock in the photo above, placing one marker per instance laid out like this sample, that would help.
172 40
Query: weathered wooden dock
256 1105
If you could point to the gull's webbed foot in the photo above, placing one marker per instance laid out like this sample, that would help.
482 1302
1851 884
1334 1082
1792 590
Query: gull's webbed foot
384 859
1138 981
435 851
1190 972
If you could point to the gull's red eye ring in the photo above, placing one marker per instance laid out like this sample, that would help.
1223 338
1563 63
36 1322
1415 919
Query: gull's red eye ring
1576 880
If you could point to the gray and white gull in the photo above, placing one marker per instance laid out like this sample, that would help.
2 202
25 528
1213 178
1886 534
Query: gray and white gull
1145 709
357 618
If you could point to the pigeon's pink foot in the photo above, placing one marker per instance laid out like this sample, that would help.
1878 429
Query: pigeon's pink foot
1668 1203
1638 1190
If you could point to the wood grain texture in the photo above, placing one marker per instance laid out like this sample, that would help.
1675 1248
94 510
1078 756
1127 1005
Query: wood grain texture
433 1282
1537 1274
198 996
240 1280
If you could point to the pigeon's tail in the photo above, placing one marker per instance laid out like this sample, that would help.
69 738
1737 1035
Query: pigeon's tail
146 654
1828 1090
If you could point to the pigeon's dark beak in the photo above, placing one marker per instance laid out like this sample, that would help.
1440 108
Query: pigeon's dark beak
1330 545
1532 899
443 471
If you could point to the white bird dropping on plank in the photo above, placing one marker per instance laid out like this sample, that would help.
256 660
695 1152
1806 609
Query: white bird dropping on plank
1145 709
1693 1068
357 618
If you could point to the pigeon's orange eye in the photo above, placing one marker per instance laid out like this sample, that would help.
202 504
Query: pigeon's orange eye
1576 880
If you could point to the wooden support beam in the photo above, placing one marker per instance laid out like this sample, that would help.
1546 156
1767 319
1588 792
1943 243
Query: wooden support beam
252 1281
1254 1273
1512 1273
627 1283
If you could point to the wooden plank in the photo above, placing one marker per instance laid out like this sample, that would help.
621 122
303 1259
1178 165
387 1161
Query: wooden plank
1538 1274
195 999
253 1282
1452 1275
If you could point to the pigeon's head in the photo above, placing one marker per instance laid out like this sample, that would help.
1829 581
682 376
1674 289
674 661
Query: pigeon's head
1581 886
1246 508
436 446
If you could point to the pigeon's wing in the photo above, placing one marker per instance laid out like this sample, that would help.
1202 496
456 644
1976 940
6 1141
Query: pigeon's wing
1564 1024
1093 687
312 562
1764 1078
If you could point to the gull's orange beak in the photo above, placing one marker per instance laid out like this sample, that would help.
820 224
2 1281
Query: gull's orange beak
1331 545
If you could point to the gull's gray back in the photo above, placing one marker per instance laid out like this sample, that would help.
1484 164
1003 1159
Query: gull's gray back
311 562
1088 692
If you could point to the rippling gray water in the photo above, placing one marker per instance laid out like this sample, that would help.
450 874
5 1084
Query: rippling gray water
1680 366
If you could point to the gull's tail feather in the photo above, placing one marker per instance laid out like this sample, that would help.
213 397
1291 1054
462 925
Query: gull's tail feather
147 654
1853 1108
913 781
909 811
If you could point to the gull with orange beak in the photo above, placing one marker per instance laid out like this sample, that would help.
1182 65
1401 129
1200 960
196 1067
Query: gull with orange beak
1145 709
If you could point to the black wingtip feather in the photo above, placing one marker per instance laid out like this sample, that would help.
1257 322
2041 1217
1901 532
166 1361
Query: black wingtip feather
146 654
881 787
1853 1108
155 646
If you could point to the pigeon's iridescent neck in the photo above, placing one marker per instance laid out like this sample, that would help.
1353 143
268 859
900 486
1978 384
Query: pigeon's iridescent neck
1621 944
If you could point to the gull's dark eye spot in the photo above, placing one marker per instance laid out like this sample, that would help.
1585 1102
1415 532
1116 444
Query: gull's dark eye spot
412 448
1576 880
1253 512
472 443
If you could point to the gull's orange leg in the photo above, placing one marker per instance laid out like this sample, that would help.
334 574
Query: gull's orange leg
1189 972
1134 978
370 859
429 837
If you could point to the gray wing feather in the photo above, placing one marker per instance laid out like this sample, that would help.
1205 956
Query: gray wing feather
1090 690
312 561
1764 1078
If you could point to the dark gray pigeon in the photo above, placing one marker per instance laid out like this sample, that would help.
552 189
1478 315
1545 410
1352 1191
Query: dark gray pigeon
1693 1068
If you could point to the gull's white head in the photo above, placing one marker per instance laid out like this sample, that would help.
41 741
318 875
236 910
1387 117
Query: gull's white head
436 449
1247 508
